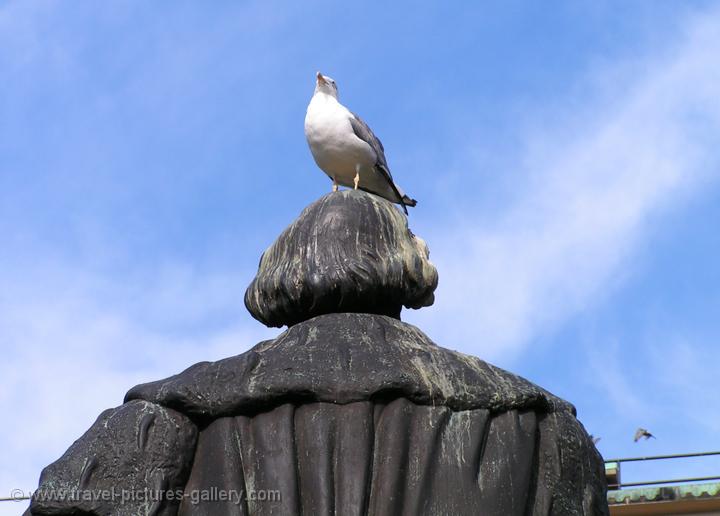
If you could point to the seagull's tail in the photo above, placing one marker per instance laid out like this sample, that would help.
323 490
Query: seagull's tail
407 201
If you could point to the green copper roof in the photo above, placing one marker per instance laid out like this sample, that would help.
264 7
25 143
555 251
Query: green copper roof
664 493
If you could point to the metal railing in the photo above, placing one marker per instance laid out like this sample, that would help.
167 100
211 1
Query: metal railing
619 484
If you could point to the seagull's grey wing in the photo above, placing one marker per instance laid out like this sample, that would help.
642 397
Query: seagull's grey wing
363 131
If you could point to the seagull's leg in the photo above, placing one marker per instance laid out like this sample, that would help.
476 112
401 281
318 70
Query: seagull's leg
357 176
335 185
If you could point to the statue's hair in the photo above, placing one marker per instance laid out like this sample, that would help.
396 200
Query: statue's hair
349 251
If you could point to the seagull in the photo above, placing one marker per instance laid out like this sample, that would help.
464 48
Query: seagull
641 432
594 439
345 148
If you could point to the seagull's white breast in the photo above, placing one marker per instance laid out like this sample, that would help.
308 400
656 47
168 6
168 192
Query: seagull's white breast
336 149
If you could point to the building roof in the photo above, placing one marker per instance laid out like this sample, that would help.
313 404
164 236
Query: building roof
680 499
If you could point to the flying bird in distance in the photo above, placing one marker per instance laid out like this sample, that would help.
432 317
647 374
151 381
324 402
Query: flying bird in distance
345 148
641 433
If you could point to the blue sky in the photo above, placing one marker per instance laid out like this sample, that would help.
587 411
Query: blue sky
564 156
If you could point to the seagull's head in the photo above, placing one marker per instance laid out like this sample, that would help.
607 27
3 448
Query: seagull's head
325 84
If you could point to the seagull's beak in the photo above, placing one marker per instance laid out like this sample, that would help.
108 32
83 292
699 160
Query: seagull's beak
321 79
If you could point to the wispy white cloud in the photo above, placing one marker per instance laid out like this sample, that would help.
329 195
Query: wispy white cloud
622 393
685 374
589 188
